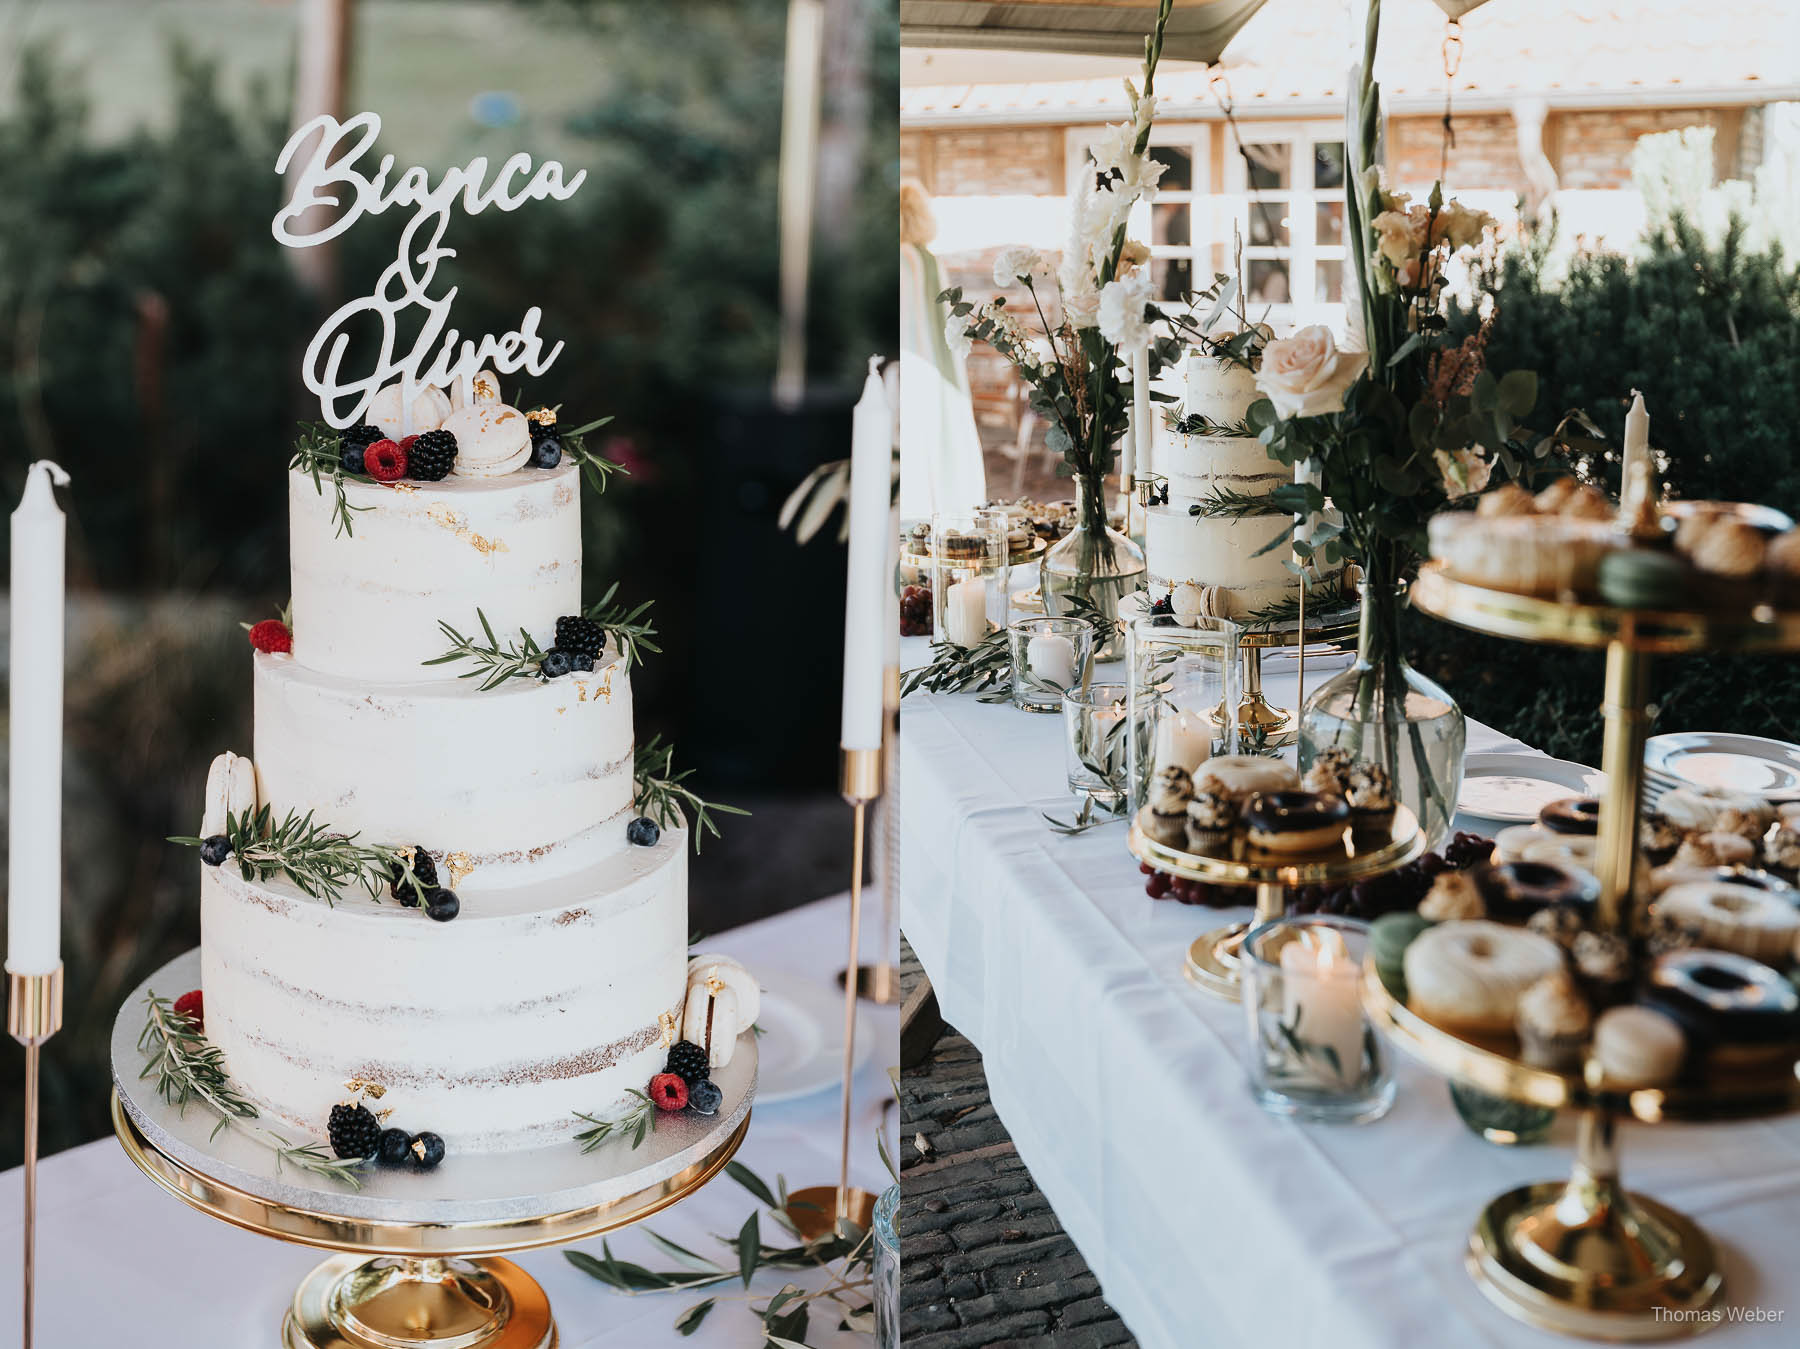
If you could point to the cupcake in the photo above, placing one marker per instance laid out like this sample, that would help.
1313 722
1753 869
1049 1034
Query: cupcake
1165 812
1659 837
1603 966
1211 821
1453 896
1330 773
1371 799
1553 1022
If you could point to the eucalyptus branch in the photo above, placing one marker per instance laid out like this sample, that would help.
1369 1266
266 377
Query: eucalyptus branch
660 792
317 454
190 1069
317 861
494 664
639 1120
629 631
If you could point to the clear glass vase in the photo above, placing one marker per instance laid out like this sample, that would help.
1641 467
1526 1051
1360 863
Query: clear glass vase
1096 563
1384 711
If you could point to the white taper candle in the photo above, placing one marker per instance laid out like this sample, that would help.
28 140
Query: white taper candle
34 865
865 607
1137 440
1637 444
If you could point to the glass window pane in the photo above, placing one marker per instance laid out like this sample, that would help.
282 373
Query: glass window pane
1328 281
1179 175
1169 223
1328 222
1268 165
1269 223
1328 164
1172 278
1268 281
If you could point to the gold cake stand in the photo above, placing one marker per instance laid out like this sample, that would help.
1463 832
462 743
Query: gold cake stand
1212 960
403 1277
1585 1256
1277 726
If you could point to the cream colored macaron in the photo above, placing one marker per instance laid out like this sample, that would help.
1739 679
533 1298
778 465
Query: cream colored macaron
429 408
491 440
230 790
485 388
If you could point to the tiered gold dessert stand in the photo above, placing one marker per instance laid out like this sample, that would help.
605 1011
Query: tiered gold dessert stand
1584 1256
1212 961
414 1266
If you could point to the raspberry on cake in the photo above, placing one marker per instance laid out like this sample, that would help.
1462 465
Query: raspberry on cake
385 461
271 636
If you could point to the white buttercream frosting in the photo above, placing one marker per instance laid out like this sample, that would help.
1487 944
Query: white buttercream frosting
366 605
529 778
1183 549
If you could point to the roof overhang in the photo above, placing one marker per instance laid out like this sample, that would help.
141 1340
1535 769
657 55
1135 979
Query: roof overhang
1198 30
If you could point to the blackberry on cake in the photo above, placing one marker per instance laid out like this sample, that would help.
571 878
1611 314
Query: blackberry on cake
431 456
687 1061
358 438
353 1129
575 633
422 867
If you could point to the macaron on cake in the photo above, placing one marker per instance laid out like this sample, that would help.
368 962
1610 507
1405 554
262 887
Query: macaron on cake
492 439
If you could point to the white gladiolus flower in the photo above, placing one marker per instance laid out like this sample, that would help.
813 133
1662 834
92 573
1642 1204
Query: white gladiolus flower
1394 237
1017 264
956 336
1121 315
1463 471
1306 375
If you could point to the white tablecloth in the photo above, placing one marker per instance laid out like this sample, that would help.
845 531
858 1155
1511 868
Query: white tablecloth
122 1263
1207 1221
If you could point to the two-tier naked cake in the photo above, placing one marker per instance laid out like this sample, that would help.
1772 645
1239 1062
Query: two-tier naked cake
1213 563
560 984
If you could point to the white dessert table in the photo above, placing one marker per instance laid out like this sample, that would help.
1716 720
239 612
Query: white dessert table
1208 1222
120 1262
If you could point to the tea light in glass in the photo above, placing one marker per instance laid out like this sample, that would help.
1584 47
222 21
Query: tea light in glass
1095 726
1049 657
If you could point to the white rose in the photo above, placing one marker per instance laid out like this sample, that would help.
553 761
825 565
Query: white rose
1463 471
956 336
1121 314
1306 375
1017 264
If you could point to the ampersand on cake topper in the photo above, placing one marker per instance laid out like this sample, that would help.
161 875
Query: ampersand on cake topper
416 389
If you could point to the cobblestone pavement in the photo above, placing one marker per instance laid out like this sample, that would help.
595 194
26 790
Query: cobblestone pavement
984 1259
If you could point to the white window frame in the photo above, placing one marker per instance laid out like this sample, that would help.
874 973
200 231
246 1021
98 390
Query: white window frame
1303 251
1196 139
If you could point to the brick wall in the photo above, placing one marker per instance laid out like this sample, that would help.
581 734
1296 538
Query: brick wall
991 162
1593 149
1485 156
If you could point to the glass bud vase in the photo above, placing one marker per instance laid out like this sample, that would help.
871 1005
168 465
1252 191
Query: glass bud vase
1095 563
1383 711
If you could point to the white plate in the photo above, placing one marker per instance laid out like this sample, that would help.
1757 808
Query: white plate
1513 788
801 1048
1738 763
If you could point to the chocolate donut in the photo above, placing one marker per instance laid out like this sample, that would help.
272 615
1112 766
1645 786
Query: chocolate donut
1723 998
1296 822
1572 815
1513 891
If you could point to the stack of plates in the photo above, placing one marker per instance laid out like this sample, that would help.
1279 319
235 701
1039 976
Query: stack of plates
1513 788
1722 761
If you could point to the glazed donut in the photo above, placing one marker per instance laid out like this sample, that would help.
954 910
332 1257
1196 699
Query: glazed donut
1470 975
1721 997
1513 891
1761 924
1241 776
1296 822
1511 842
1572 815
1572 850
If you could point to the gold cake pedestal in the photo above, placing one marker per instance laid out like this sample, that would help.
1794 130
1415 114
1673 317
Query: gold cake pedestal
415 1263
1212 961
1585 1256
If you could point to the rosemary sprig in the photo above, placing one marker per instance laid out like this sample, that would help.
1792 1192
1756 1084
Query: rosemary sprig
1326 597
629 631
595 469
317 861
1198 424
639 1120
1227 504
316 453
189 1068
661 795
494 664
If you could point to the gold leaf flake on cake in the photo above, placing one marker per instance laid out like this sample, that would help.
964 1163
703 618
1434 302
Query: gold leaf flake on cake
484 388
459 864
667 1021
373 1090
407 487
714 985
441 514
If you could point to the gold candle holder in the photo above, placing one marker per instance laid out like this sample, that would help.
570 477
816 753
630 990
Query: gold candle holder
818 1209
879 981
34 1008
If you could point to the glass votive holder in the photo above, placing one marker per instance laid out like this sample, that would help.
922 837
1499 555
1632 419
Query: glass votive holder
1313 1053
969 574
1181 679
1096 728
887 1269
912 578
1049 657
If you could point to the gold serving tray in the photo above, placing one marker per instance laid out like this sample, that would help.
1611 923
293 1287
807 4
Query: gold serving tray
1572 622
1492 1065
1349 861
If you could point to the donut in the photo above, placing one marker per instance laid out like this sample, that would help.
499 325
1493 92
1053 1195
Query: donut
1578 851
1638 1047
1296 822
1572 815
1511 842
1470 975
1722 998
1513 891
1761 924
1241 776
